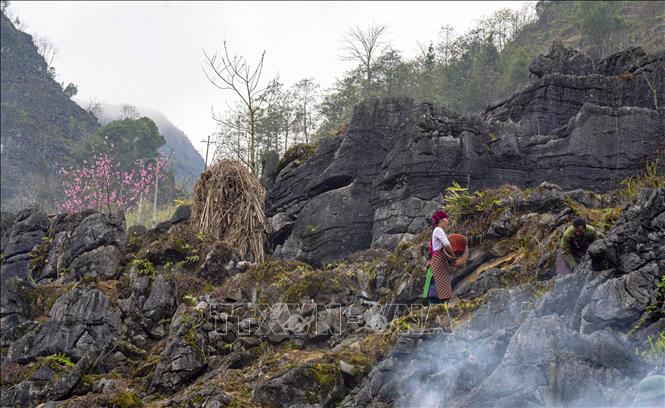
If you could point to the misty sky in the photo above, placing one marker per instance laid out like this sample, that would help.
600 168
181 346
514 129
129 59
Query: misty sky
150 53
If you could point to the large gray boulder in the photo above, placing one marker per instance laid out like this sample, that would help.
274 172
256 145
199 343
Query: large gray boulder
25 234
576 126
319 384
81 321
562 60
95 246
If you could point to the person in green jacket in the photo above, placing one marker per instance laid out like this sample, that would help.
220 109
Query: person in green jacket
574 243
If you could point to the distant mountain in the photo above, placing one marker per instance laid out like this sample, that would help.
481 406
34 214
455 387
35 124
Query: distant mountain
39 124
188 163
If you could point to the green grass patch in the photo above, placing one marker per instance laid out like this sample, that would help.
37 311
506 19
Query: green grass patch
58 360
656 348
651 177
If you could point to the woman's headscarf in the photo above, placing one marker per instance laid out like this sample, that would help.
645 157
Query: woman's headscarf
438 216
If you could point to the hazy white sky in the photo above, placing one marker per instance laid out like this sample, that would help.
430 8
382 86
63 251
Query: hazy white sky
151 53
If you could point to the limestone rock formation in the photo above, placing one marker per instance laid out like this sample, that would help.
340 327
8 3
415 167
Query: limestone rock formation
577 125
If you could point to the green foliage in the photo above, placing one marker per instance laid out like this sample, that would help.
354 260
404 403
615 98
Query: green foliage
229 347
517 70
191 336
651 177
58 360
462 204
459 200
599 19
602 218
361 362
656 348
144 267
127 140
325 375
660 286
71 90
191 300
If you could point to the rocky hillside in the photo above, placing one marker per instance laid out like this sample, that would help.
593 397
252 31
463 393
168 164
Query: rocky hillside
580 124
581 344
40 125
94 316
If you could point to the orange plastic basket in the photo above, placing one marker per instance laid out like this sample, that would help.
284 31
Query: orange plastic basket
460 249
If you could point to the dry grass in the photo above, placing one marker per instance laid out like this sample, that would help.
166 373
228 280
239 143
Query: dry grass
229 205
164 213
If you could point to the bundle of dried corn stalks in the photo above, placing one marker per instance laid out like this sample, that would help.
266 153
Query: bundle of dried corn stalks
229 205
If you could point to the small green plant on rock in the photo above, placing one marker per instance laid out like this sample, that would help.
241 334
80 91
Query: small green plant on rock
191 300
656 347
58 360
459 200
126 399
310 229
325 375
192 259
474 212
144 267
651 177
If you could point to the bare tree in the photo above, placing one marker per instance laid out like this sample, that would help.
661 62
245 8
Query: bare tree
46 49
129 112
232 134
307 95
446 44
235 74
95 108
365 46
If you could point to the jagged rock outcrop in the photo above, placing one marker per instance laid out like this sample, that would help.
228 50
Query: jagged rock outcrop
578 125
26 233
574 346
183 358
73 246
80 322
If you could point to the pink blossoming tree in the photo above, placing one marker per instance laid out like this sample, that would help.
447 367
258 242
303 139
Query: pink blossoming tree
101 184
